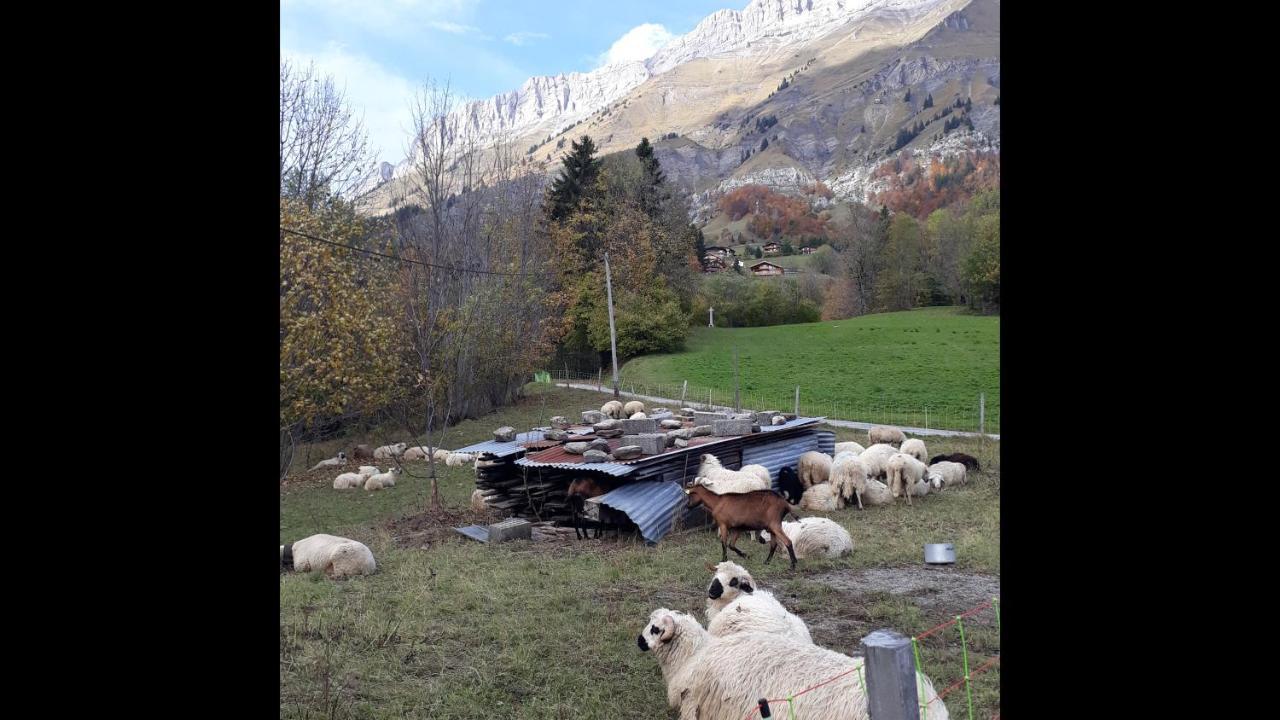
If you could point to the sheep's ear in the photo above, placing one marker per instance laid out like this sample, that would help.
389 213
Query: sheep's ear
668 626
745 587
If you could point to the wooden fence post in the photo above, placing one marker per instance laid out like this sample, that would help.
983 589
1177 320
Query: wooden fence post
797 408
982 413
891 677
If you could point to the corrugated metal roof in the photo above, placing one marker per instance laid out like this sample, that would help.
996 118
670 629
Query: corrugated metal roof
503 449
780 453
792 424
652 506
608 468
475 532
827 442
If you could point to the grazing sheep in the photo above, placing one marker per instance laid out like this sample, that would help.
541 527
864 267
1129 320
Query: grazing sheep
348 480
458 459
340 460
790 486
945 473
633 407
852 447
747 511
639 416
416 452
849 476
338 557
884 434
915 448
728 581
478 501
968 461
613 409
760 471
816 537
677 641
874 459
440 455
905 473
361 452
814 468
821 498
729 672
387 452
877 493
383 480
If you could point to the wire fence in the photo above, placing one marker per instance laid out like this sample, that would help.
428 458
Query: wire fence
965 680
980 416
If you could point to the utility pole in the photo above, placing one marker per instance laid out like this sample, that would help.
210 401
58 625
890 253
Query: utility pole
613 336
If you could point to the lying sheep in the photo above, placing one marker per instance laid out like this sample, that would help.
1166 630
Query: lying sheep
728 581
440 454
633 407
884 434
639 416
821 498
458 459
968 461
417 452
816 537
387 452
613 409
361 452
915 448
814 468
367 471
942 474
338 461
874 459
721 480
736 604
383 480
877 493
348 480
677 641
478 502
728 673
849 476
338 557
905 475
852 447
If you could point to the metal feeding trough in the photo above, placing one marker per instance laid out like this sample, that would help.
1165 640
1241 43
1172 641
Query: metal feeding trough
939 554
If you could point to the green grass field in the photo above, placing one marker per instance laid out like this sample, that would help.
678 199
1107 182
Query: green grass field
875 368
451 628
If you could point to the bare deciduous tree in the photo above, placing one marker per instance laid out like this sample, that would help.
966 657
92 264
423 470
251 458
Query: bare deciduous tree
324 149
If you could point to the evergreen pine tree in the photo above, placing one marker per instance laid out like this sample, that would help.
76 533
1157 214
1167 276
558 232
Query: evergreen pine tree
764 144
652 192
928 101
908 96
577 178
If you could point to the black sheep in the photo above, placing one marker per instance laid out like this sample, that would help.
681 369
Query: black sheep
968 461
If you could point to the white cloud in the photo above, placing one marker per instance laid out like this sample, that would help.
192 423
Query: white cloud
381 96
399 18
639 43
523 37
453 27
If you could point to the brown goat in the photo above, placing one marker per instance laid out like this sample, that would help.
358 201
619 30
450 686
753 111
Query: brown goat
579 490
756 510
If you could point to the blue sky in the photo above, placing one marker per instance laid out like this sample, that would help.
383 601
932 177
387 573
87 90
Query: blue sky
381 51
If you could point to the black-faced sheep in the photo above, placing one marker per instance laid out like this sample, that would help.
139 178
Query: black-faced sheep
338 557
790 486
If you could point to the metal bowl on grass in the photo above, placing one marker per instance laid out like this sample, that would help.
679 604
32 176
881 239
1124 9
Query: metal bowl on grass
939 554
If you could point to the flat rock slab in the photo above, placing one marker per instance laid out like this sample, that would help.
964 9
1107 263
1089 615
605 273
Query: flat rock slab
595 456
766 417
600 444
636 427
607 424
681 443
577 448
627 452
504 434
557 435
511 529
592 417
612 433
671 424
724 428
560 422
706 418
649 443
701 430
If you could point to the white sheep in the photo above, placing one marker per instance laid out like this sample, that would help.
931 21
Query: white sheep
677 641
458 459
721 480
386 452
383 480
639 416
905 475
349 480
612 409
417 452
915 448
729 580
884 434
877 493
778 420
633 407
816 537
849 476
338 557
478 501
852 447
340 460
367 471
945 473
728 673
822 498
814 468
736 604
440 455
874 459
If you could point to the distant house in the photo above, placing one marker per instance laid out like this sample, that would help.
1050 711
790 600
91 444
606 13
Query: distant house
713 263
772 248
720 251
806 251
764 267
